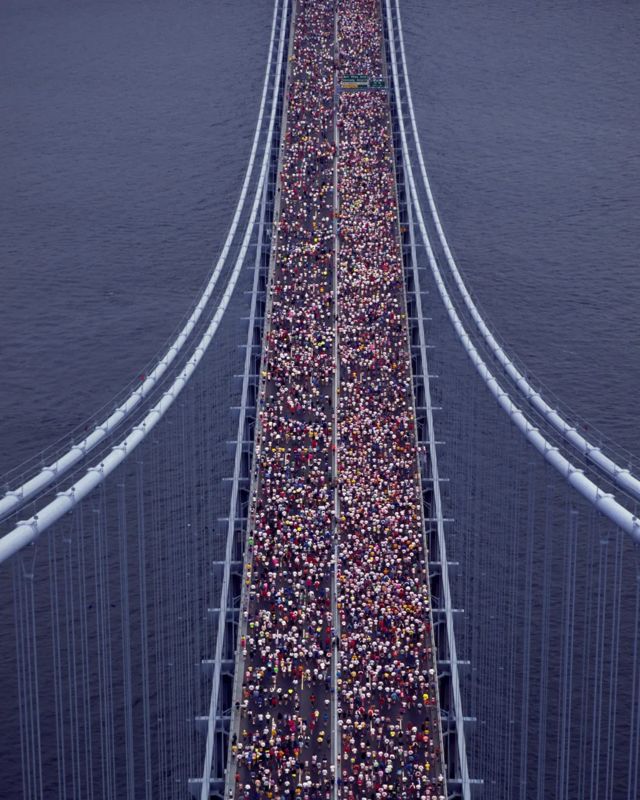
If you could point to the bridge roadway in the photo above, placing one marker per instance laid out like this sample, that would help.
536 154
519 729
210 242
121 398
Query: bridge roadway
335 630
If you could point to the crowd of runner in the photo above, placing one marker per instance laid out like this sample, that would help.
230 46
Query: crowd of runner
391 743
282 748
389 739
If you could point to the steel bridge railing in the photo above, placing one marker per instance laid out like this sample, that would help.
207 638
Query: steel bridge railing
457 764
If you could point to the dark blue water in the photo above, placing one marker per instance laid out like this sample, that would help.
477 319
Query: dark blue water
529 113
125 129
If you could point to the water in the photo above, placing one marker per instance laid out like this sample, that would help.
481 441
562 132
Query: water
529 116
125 129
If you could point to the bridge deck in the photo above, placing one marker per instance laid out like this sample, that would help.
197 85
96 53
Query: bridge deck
336 628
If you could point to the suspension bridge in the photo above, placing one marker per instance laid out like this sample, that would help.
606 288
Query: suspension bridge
395 567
